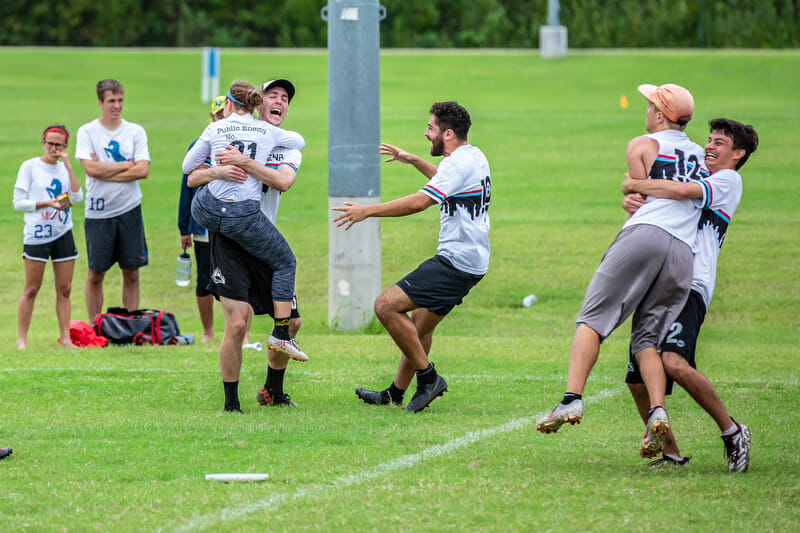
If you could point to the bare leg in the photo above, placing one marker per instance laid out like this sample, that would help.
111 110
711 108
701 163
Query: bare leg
130 289
230 349
425 322
205 305
653 375
642 400
94 293
391 308
699 387
62 273
582 357
34 273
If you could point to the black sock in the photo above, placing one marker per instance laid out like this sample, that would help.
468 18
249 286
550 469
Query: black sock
395 394
274 381
570 397
427 375
650 412
231 395
281 329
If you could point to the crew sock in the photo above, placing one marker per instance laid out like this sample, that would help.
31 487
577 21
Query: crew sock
570 397
281 329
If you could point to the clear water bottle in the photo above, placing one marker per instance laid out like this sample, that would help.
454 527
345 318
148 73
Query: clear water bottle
183 273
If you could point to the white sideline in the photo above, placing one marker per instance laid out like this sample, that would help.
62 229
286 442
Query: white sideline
210 519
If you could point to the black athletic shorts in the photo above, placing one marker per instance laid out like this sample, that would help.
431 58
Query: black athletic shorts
681 338
437 285
237 275
202 255
118 239
61 249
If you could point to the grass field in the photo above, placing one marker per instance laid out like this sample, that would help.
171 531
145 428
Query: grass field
119 439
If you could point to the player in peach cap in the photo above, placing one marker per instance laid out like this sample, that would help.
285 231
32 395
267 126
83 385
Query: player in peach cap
673 100
647 270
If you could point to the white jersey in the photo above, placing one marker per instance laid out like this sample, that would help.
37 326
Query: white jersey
42 181
271 198
725 187
106 199
678 159
462 187
254 138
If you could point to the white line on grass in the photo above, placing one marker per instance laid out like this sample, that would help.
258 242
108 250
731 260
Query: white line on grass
230 513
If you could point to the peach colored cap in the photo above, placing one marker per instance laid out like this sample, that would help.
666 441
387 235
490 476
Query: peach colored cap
672 100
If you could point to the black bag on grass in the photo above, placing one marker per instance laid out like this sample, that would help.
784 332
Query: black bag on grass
144 326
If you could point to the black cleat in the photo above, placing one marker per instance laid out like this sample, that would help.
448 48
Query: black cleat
5 452
426 394
374 397
669 461
234 409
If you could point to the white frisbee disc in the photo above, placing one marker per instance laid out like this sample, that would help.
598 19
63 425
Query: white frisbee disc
227 478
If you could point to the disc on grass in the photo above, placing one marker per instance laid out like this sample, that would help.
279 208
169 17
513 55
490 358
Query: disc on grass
227 478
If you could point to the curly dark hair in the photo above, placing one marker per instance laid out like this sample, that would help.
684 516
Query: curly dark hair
452 116
744 136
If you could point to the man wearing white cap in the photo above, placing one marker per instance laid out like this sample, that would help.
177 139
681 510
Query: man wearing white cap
647 270
239 279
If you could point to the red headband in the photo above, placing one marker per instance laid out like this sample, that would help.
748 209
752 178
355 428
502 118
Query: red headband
59 130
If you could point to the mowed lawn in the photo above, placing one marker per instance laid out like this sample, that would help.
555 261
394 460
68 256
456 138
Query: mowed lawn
120 439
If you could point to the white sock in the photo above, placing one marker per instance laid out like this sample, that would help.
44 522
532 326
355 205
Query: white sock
731 430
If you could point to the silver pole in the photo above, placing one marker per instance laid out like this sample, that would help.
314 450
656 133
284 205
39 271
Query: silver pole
354 256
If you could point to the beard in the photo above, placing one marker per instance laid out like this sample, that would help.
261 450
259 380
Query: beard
437 146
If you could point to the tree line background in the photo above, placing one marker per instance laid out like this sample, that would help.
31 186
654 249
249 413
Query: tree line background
408 23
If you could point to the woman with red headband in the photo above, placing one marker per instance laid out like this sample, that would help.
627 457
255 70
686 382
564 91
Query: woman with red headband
45 190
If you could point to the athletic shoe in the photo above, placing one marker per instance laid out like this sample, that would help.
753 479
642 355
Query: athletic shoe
288 347
426 394
236 410
669 461
737 448
5 452
572 413
263 397
653 440
375 397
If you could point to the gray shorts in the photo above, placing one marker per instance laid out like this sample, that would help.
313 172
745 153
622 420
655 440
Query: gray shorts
118 239
647 272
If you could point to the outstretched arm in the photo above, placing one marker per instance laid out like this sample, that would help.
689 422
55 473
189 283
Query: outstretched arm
407 205
396 154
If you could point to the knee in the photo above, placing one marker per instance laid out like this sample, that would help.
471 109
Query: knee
64 291
30 292
382 307
130 276
675 366
294 326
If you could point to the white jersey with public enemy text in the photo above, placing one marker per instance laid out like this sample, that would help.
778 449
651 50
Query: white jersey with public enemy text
271 198
726 188
678 159
462 187
254 138
106 199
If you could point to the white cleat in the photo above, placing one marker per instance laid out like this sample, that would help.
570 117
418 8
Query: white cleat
288 347
572 413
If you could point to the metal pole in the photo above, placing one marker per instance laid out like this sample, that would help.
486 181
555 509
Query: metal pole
354 256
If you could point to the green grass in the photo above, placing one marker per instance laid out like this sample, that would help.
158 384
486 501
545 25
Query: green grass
120 438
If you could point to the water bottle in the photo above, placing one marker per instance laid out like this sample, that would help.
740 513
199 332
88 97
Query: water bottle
184 270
